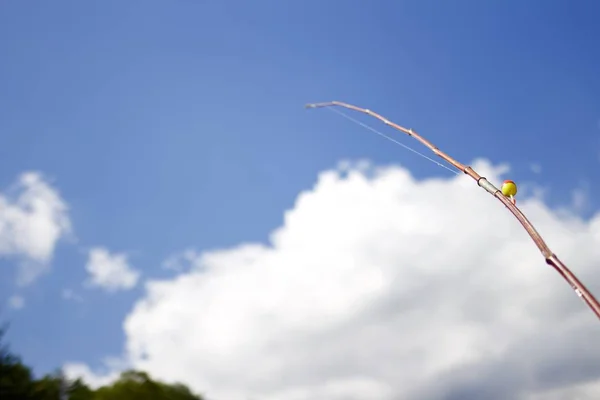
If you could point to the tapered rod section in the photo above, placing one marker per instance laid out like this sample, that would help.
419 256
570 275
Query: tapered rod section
551 258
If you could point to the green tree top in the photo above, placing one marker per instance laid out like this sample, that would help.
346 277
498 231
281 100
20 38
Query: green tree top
17 383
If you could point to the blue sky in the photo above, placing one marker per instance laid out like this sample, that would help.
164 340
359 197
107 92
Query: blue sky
171 124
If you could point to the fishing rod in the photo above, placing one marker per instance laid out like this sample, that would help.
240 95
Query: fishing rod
505 196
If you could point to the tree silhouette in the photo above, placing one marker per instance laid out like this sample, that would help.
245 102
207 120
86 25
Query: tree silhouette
18 383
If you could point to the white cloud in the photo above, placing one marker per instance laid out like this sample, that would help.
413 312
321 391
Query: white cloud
378 286
16 302
181 261
33 217
580 199
111 272
94 380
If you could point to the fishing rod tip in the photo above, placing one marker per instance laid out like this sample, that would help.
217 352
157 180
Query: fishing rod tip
309 105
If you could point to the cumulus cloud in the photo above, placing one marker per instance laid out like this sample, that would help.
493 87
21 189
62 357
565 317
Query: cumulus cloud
33 217
93 379
111 272
380 286
181 261
580 197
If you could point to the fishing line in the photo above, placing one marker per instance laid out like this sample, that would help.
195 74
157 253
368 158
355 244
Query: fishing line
389 138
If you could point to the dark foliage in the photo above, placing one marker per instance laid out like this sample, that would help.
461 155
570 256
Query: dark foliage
18 383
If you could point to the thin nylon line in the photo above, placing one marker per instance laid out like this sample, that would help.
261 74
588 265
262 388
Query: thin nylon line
389 138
